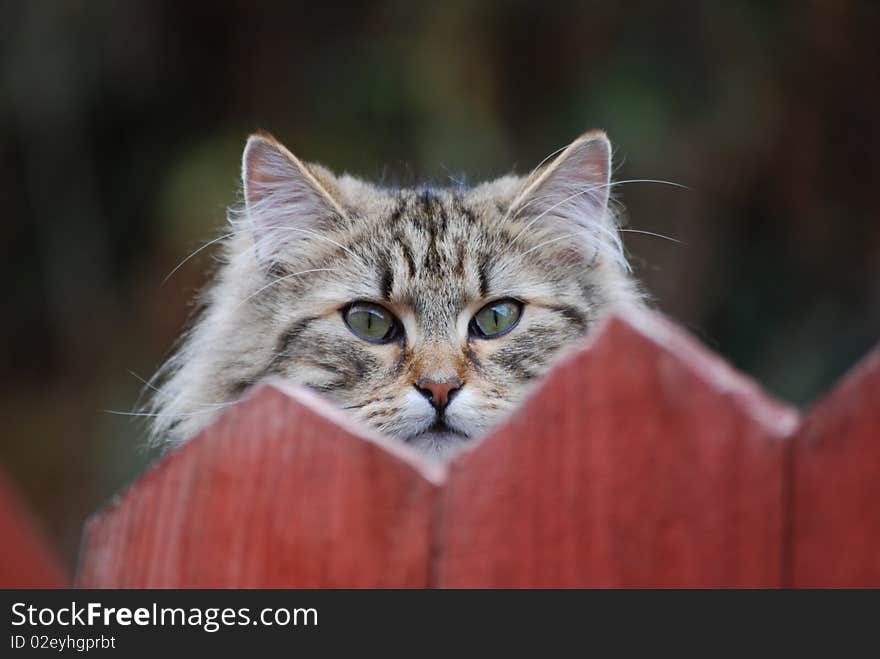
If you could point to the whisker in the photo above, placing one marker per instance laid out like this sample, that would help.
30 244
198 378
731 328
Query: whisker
319 236
145 414
547 242
121 413
200 249
206 408
585 190
280 279
553 207
594 187
649 180
520 209
140 379
651 233
158 415
528 177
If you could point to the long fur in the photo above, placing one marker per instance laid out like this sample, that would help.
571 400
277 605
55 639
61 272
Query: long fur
306 243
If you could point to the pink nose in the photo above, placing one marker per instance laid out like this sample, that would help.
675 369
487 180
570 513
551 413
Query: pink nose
438 392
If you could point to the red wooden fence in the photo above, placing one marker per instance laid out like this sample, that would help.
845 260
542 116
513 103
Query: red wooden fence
835 498
281 492
642 460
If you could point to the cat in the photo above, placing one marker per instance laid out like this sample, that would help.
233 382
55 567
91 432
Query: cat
425 312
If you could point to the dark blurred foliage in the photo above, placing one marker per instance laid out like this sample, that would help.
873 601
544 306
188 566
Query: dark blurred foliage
121 125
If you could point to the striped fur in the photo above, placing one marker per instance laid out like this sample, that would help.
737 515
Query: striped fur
306 243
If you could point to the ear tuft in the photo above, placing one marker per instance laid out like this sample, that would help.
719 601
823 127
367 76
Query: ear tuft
283 200
264 165
582 171
571 194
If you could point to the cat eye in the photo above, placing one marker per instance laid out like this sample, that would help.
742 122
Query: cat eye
496 319
371 322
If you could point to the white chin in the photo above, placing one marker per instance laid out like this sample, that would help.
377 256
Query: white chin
441 444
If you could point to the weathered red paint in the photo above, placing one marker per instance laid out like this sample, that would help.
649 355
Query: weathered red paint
642 460
280 493
836 494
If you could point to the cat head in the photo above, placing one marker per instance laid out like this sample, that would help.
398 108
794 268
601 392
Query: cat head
425 312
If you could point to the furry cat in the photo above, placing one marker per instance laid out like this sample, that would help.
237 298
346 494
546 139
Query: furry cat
425 312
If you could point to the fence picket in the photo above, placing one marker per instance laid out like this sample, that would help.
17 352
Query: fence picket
836 495
642 461
281 493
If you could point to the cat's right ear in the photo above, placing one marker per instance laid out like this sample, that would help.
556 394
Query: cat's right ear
570 195
283 199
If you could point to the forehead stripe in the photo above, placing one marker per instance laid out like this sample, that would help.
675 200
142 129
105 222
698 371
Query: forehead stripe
386 284
484 277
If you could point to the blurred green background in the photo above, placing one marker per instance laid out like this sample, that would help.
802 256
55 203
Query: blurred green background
121 126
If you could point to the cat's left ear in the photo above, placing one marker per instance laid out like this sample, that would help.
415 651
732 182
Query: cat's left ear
571 193
283 199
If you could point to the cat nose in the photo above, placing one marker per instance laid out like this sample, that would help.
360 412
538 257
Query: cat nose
438 392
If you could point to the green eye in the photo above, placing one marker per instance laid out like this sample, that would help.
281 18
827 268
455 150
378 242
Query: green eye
496 318
371 322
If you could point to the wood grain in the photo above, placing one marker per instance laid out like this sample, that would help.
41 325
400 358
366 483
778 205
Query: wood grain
25 558
642 461
281 493
836 495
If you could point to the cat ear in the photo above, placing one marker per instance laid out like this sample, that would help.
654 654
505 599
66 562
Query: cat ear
283 199
571 193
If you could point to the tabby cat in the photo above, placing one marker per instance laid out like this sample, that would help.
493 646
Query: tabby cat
425 312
